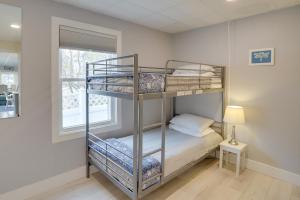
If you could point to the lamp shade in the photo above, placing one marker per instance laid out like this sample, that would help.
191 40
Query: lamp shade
234 115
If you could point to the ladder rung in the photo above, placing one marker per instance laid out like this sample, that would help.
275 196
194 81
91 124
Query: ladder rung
153 177
147 127
152 152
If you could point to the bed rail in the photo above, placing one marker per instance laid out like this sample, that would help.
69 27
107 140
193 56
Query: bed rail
117 77
106 144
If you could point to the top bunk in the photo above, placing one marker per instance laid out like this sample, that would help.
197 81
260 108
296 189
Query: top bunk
122 77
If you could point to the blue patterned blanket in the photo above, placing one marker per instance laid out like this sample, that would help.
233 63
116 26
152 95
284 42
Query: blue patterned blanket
148 83
151 166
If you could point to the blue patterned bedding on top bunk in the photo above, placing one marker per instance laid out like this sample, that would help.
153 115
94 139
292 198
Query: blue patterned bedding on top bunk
151 166
154 82
148 83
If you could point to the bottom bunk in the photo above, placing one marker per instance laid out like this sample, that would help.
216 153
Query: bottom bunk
181 150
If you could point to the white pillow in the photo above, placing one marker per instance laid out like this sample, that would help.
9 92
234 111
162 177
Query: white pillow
187 70
194 66
208 74
208 68
185 73
193 73
192 122
197 67
191 132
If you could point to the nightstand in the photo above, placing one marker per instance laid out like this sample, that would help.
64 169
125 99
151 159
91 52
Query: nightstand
239 150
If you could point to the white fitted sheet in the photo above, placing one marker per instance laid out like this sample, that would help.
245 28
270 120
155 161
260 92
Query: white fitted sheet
181 149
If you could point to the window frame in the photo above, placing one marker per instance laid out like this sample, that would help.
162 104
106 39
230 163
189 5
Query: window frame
59 135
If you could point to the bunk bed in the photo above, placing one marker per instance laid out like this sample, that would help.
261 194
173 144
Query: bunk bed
160 152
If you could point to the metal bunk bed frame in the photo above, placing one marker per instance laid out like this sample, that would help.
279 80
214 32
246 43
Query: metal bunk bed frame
138 100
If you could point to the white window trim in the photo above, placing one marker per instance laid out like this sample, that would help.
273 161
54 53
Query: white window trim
57 135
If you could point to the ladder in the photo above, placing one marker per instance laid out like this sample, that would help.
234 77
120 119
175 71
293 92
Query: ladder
161 149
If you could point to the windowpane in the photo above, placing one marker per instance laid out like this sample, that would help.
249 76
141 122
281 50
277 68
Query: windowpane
73 105
7 79
73 64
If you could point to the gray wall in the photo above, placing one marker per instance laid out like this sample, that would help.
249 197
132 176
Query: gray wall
269 94
205 45
207 105
26 152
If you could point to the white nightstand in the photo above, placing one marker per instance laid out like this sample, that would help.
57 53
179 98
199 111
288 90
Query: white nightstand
239 150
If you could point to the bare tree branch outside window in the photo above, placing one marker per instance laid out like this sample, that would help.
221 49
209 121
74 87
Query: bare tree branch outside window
73 63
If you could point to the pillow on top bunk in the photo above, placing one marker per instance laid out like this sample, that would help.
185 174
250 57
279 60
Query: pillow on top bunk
193 66
191 122
208 74
194 70
191 132
208 68
186 70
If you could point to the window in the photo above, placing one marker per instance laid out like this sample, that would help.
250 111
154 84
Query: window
73 45
8 79
73 110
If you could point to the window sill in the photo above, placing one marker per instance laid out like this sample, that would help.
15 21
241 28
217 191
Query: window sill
80 133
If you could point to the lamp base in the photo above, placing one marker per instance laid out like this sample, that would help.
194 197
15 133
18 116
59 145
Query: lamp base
233 141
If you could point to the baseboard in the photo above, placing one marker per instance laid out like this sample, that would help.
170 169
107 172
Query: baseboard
269 170
43 186
46 185
274 172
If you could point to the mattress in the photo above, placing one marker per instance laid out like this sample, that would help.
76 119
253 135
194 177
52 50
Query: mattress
181 149
154 83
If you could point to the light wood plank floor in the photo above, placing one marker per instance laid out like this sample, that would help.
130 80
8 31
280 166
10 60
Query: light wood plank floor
204 182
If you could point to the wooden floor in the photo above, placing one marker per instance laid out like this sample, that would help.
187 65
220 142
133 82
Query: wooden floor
204 182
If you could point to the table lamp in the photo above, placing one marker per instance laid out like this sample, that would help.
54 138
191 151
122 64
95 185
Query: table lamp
234 115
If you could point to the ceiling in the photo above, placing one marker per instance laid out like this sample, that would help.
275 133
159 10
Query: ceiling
180 15
10 15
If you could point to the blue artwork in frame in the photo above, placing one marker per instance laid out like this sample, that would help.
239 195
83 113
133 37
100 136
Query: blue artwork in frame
261 56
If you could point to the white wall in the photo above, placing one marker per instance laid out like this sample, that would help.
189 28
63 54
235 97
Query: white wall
26 152
270 95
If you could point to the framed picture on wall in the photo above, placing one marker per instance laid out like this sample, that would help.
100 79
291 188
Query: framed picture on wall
261 56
